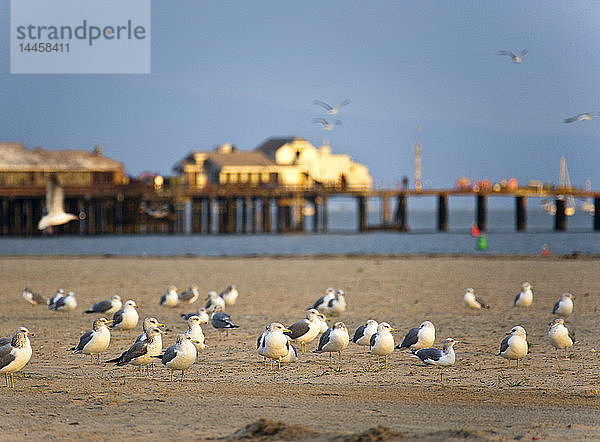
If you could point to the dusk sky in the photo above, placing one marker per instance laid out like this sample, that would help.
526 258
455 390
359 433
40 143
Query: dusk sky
241 72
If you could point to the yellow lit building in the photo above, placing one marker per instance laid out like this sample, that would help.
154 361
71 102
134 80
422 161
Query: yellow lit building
278 162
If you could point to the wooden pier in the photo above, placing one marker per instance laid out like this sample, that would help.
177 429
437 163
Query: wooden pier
109 209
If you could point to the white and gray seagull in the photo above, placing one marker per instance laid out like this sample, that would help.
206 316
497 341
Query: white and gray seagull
382 342
564 306
107 307
331 110
15 354
146 324
201 313
516 58
190 295
170 299
514 346
473 301
180 356
126 318
362 335
419 337
94 341
66 303
334 340
229 295
33 298
56 214
305 330
328 126
582 117
141 353
559 335
525 296
221 320
434 356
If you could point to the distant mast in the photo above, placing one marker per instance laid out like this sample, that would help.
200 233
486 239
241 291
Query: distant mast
418 172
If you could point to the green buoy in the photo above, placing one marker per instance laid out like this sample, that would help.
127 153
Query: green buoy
482 242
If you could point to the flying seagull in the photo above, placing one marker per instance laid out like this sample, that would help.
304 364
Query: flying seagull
326 124
582 117
331 110
517 58
55 215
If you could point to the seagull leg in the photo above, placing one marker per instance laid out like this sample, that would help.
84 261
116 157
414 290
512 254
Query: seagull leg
171 375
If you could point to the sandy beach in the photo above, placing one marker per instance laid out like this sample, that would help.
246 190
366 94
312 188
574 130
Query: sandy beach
59 395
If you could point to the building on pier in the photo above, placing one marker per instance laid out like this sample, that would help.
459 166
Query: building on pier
23 167
278 162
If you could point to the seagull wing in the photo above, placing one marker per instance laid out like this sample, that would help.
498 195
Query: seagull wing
372 341
359 333
118 317
6 357
135 351
170 354
57 196
555 307
504 344
429 354
481 302
100 307
411 338
346 102
523 52
324 105
571 119
84 340
324 339
509 53
298 329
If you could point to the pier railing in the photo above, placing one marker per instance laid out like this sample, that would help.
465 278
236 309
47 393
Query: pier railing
141 207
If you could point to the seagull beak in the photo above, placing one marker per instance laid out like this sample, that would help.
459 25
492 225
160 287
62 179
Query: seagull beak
203 322
196 342
160 325
30 334
508 333
393 329
287 330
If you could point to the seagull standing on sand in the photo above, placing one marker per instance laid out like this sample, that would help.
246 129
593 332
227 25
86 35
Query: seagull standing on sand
419 337
229 295
514 346
126 318
106 307
95 341
171 298
33 298
516 58
66 303
274 344
333 340
55 215
195 332
582 117
305 330
141 353
15 355
221 320
331 110
146 324
190 295
564 306
337 305
473 301
201 313
433 356
213 299
362 335
559 335
59 294
382 342
525 297
180 356
322 304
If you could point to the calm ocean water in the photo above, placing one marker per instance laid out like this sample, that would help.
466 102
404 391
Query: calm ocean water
341 239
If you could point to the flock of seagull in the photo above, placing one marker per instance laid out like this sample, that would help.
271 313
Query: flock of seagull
275 344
